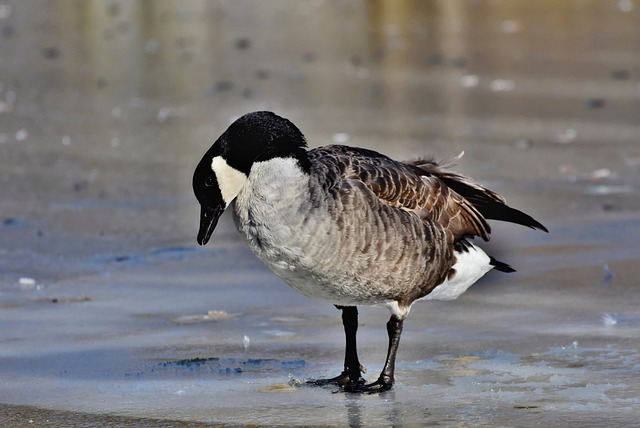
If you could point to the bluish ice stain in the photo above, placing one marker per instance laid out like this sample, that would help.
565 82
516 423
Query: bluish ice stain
145 258
12 222
216 365
16 222
178 251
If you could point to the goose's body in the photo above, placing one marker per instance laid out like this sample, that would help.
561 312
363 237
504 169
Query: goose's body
350 226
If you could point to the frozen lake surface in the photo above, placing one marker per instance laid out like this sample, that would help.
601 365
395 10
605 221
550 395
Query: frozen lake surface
110 313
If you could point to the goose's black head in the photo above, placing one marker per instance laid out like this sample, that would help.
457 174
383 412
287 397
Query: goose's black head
222 172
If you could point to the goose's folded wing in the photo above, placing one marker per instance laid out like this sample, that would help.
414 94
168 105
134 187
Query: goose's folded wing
404 186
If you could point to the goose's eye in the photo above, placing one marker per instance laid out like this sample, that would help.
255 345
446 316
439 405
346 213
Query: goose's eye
210 181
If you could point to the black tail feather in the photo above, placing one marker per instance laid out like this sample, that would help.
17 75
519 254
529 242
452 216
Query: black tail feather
500 266
491 205
499 211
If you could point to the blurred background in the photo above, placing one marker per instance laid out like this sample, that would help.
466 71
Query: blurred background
106 107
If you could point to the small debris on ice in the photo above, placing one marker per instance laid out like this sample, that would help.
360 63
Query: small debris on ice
502 85
469 81
608 274
601 173
566 136
27 283
608 320
170 112
510 26
625 5
609 190
213 315
22 135
340 137
246 342
5 11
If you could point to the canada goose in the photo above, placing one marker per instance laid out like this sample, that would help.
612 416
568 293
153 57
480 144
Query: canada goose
348 225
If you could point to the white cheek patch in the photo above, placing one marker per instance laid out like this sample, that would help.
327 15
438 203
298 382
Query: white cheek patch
230 180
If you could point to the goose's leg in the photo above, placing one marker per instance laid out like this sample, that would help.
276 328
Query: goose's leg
352 368
385 381
352 373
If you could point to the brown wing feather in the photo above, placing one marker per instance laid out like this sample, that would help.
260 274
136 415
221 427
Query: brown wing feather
407 186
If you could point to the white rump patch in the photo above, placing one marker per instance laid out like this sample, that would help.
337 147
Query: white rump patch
469 268
230 180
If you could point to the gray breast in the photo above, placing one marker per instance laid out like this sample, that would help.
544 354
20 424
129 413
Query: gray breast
330 237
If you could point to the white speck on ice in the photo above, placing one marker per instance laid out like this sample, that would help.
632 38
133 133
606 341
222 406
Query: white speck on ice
625 5
5 11
246 342
609 190
608 320
566 136
510 26
27 283
469 81
601 173
340 137
66 140
502 85
170 112
22 135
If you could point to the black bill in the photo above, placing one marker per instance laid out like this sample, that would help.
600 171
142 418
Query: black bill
208 220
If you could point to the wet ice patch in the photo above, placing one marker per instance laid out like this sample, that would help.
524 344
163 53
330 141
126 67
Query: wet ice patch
210 316
561 378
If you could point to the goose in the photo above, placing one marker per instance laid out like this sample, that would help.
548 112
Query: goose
349 225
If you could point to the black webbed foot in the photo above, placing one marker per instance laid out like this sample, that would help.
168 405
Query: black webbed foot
341 380
378 386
